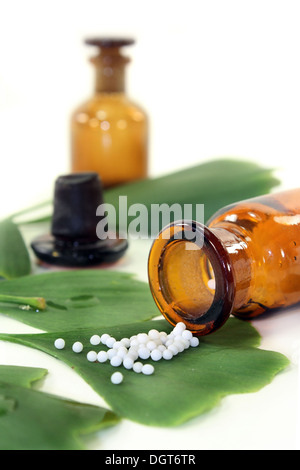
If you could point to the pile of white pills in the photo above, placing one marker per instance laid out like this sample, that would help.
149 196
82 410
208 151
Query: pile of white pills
128 352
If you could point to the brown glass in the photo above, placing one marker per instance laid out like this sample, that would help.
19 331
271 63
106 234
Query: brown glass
109 133
249 263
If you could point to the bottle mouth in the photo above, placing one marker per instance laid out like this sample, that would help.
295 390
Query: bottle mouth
190 277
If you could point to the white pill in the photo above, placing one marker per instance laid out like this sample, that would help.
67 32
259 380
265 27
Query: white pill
111 353
153 334
158 341
161 347
91 356
77 347
156 355
167 354
95 340
125 342
116 361
59 343
179 345
186 334
185 343
174 349
177 330
147 369
134 343
151 345
181 325
144 353
179 339
133 353
163 337
137 367
169 342
102 356
110 342
117 344
142 338
128 362
104 338
122 351
194 342
116 378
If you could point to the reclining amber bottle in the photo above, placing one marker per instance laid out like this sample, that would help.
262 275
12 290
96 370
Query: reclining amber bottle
247 263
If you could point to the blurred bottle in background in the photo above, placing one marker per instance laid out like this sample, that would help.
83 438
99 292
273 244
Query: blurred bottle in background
109 133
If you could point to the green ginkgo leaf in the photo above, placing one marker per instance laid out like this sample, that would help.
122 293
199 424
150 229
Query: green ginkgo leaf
226 362
14 256
34 420
78 299
214 183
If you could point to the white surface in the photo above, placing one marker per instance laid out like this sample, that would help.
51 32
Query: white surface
217 79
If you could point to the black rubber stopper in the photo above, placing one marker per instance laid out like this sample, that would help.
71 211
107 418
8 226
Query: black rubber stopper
73 241
107 42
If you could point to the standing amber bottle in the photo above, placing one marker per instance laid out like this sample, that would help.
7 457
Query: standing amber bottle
247 263
109 133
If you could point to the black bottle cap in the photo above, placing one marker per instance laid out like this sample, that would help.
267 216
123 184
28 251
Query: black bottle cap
76 199
73 241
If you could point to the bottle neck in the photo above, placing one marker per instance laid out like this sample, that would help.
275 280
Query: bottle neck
110 71
237 245
198 282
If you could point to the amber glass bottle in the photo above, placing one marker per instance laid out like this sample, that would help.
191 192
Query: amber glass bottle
247 263
109 133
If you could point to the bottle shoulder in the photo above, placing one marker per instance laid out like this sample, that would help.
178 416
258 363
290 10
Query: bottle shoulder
256 209
242 213
110 106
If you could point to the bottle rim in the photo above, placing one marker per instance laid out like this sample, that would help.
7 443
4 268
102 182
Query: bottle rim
205 239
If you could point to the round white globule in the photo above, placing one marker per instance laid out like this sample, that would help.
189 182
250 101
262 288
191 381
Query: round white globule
142 338
95 340
147 369
102 356
111 353
125 342
137 367
174 349
116 378
59 343
77 347
110 342
128 362
186 334
122 351
91 356
153 334
116 361
167 354
151 345
194 341
104 338
156 355
144 353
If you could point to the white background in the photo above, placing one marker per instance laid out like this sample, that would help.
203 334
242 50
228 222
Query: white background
217 78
